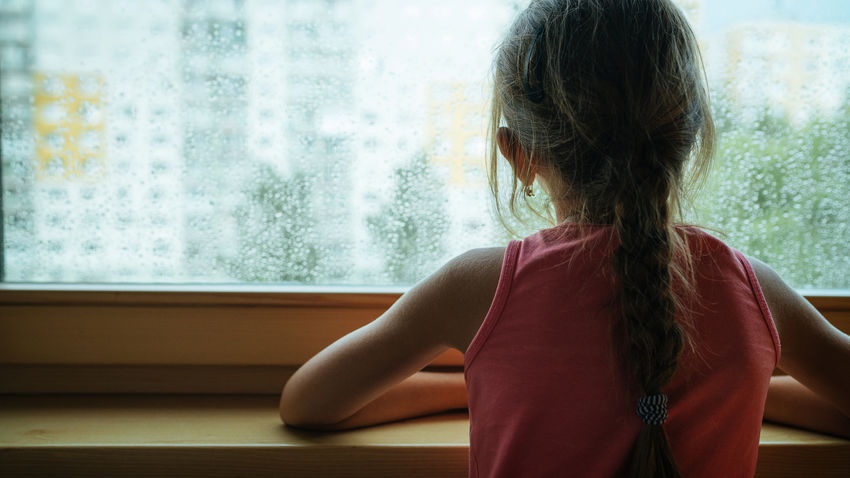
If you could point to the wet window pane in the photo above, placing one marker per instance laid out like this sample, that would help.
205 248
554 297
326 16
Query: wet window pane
341 142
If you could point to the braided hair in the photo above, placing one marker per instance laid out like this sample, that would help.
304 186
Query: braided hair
609 97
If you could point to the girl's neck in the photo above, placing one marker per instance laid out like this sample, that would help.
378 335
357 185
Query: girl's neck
565 214
562 215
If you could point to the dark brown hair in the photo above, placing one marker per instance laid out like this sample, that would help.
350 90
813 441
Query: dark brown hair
609 97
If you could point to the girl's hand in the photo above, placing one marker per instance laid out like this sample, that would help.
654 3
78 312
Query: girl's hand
350 383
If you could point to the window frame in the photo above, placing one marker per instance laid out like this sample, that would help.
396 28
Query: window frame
195 339
175 339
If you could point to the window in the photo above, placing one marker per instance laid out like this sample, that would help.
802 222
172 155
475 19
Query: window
340 142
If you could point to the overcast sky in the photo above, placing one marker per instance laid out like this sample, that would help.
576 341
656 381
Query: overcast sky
719 14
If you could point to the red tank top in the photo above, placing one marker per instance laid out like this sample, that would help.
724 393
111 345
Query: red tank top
546 397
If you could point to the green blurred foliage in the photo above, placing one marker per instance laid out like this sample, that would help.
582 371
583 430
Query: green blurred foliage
410 227
779 190
278 238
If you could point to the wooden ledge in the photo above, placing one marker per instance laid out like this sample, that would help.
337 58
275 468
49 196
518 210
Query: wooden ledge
241 435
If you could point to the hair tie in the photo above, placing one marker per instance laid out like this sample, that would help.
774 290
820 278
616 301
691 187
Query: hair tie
535 95
652 409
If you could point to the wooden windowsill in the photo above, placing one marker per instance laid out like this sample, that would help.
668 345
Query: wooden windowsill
241 435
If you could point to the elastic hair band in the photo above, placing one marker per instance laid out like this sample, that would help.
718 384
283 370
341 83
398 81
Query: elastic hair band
535 95
652 409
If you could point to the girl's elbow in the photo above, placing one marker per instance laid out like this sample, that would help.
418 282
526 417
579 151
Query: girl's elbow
296 422
286 416
292 414
288 409
293 420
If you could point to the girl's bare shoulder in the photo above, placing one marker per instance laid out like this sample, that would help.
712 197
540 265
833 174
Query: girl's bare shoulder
814 351
470 284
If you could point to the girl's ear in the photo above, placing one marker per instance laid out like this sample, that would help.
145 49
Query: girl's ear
511 150
508 145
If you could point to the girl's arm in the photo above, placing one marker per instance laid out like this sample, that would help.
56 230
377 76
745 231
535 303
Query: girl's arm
362 378
423 393
789 402
814 353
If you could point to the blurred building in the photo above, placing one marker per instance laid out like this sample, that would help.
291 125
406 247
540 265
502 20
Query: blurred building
320 121
17 227
127 159
132 131
456 127
82 160
423 91
791 68
214 102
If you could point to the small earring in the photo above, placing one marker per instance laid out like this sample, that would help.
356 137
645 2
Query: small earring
528 191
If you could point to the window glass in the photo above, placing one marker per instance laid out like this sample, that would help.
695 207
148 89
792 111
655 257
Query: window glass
342 142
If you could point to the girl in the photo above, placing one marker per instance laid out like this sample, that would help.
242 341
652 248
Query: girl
617 342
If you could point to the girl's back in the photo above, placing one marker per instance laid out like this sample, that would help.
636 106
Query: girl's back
603 105
547 397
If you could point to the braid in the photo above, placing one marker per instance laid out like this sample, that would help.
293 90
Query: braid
642 263
608 97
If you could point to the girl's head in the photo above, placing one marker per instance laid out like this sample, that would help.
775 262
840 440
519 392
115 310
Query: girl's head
610 89
605 101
